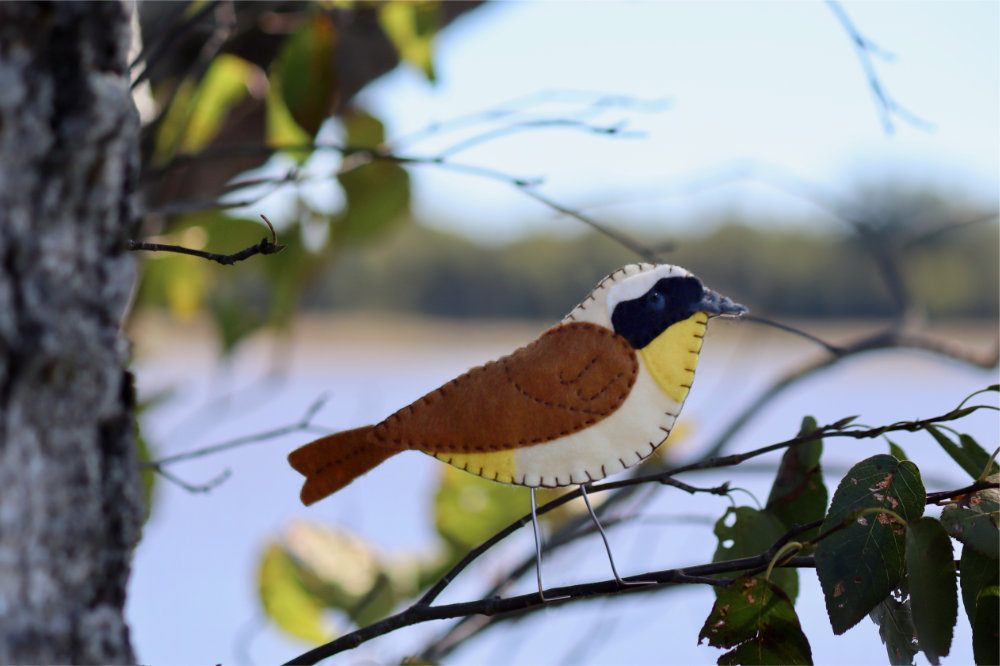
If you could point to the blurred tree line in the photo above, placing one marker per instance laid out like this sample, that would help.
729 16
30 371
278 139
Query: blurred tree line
785 272
789 272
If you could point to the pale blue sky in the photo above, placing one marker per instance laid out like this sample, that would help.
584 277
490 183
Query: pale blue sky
777 83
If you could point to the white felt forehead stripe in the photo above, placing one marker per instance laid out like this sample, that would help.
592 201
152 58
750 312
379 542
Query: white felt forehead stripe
637 285
593 307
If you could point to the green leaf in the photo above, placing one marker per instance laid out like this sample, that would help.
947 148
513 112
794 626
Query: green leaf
411 27
968 454
859 564
304 72
973 520
285 599
930 569
758 618
977 572
144 449
985 633
148 475
896 451
895 628
377 193
746 532
799 495
235 318
173 122
364 130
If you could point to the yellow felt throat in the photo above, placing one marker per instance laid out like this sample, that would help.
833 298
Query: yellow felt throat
673 355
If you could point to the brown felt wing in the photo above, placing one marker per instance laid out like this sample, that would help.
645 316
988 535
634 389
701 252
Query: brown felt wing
573 376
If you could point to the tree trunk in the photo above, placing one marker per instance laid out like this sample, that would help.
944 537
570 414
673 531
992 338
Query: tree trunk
70 500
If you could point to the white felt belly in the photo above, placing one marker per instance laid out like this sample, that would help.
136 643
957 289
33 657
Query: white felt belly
618 441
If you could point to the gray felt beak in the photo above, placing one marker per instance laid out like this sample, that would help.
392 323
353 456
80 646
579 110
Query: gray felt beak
715 305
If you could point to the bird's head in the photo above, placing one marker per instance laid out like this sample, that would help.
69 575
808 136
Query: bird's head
644 305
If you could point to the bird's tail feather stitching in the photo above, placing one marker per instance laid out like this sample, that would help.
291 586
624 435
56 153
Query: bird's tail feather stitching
332 462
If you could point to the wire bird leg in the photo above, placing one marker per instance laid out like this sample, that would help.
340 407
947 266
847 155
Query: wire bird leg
607 547
538 552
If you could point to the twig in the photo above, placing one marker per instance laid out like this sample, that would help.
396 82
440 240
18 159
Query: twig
864 48
640 249
304 423
949 227
886 339
593 102
151 54
828 346
935 498
190 487
265 246
418 613
618 129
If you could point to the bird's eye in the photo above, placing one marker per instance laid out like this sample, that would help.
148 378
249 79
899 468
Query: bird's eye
656 300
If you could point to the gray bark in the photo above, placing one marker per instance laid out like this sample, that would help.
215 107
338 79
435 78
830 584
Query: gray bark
70 500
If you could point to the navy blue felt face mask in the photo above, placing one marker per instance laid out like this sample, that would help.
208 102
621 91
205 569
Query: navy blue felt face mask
667 302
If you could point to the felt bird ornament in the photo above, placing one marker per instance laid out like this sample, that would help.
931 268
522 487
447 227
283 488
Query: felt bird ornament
594 394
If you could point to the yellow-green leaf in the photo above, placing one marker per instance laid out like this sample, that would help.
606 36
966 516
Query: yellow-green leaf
221 89
411 27
341 570
285 599
469 509
199 109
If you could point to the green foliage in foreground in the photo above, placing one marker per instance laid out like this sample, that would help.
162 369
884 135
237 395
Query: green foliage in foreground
876 554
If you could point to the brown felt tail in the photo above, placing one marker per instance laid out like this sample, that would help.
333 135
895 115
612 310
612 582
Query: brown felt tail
332 462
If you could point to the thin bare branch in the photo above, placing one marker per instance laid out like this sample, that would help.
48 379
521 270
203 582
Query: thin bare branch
418 613
516 110
937 498
304 423
265 246
617 129
950 227
886 105
642 250
191 487
151 53
891 338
